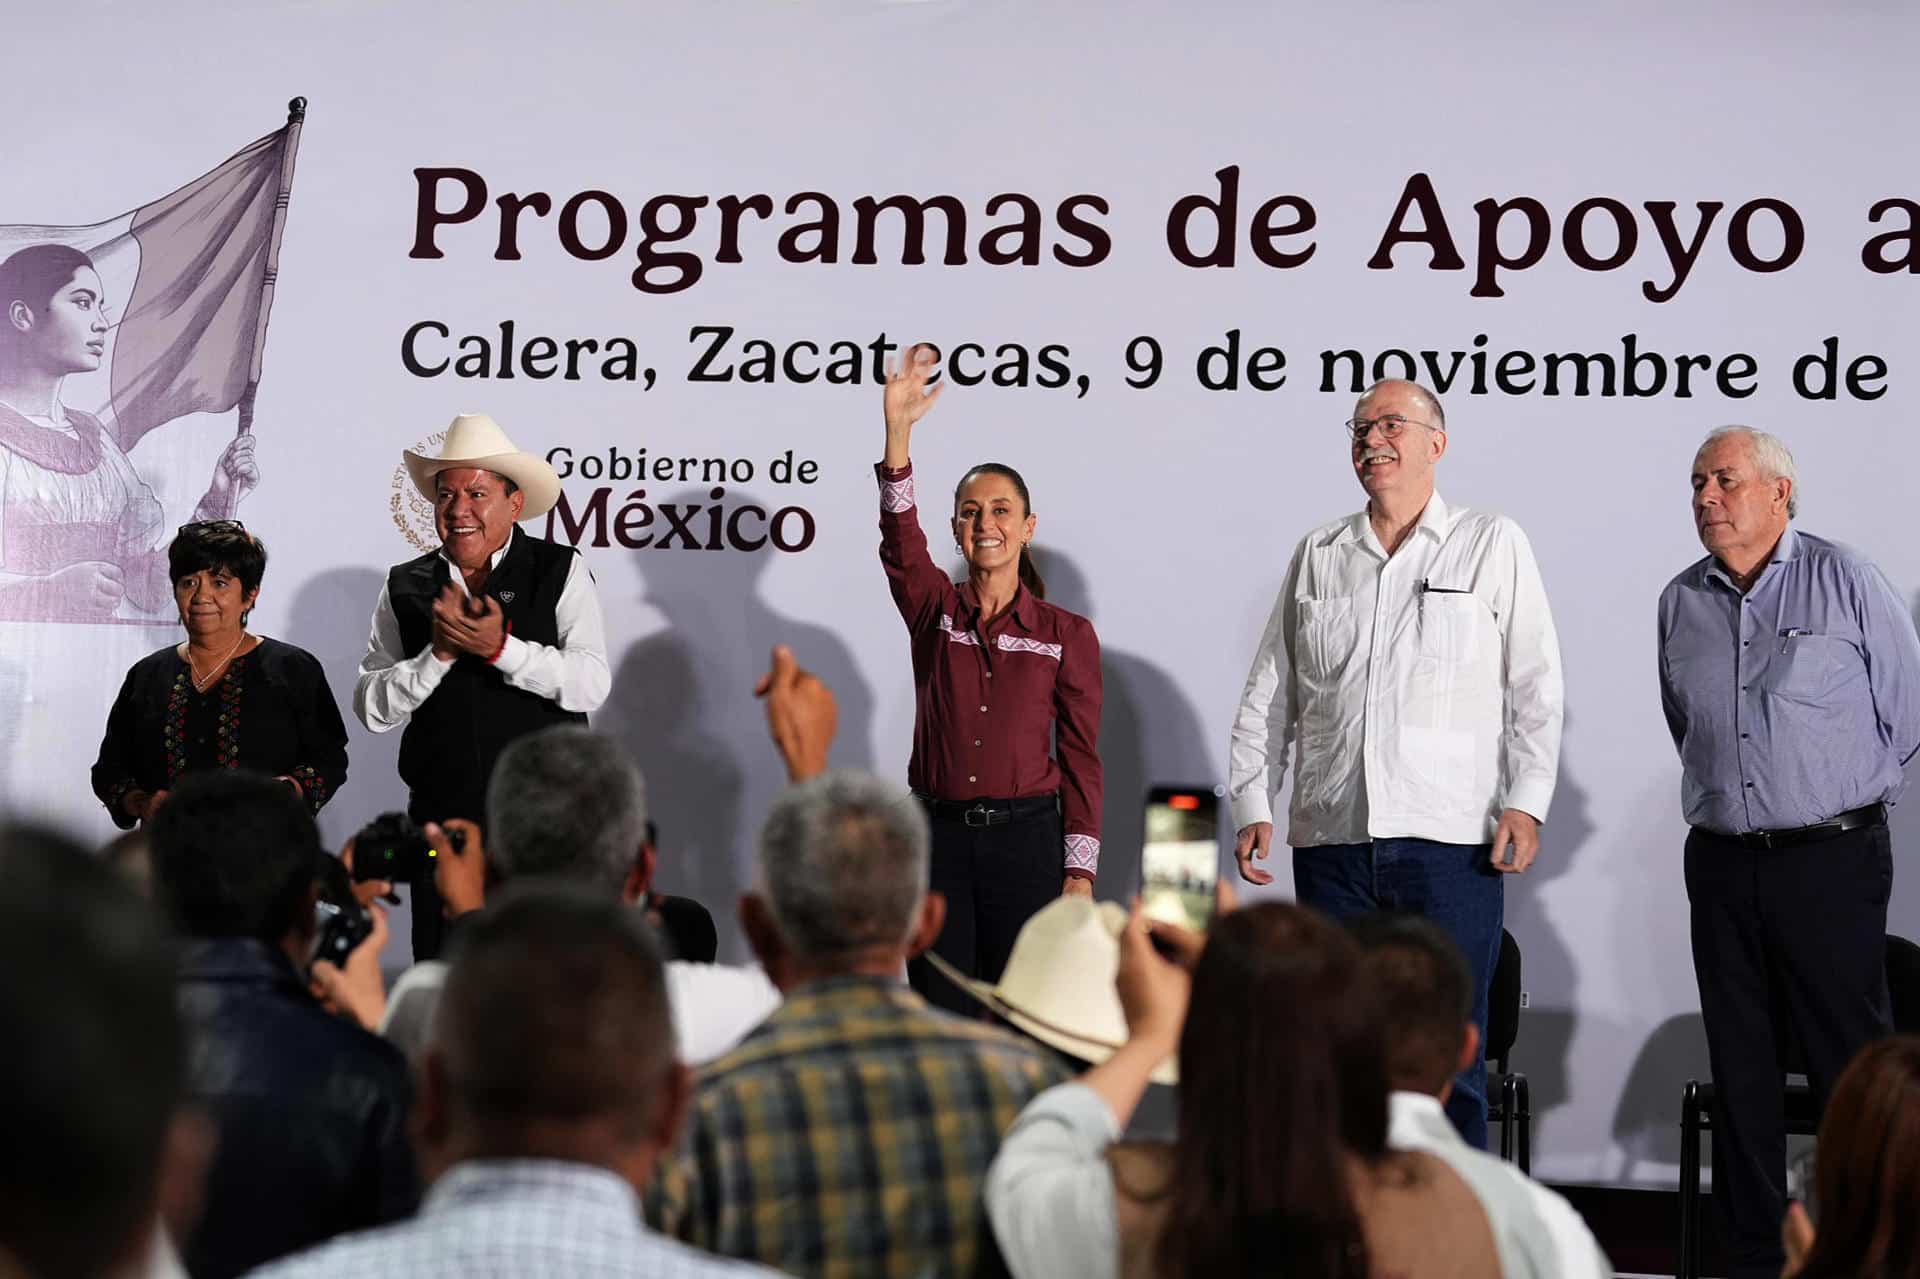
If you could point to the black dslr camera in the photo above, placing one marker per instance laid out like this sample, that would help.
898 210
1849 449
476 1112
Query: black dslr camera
391 847
340 922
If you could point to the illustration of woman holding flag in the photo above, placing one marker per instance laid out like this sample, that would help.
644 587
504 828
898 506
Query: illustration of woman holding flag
79 528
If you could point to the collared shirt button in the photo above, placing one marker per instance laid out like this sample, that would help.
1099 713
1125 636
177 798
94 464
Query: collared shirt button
983 710
1749 785
989 674
976 741
973 779
1743 737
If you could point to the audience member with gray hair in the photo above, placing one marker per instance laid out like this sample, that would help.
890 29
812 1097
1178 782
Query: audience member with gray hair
568 805
549 1088
1790 677
873 1116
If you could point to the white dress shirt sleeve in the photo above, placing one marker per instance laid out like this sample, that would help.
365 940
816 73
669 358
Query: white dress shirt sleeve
1049 1190
1534 695
391 684
1264 725
573 673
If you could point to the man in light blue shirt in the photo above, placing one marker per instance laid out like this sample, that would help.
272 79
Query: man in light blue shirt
1790 676
549 1087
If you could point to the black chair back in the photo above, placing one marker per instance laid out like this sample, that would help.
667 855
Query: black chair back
1903 984
1503 1003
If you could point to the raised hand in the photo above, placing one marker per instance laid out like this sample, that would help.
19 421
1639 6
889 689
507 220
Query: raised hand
801 715
908 397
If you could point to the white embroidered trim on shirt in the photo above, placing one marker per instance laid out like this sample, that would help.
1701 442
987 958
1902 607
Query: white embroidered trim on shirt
1083 853
1019 644
1005 643
896 496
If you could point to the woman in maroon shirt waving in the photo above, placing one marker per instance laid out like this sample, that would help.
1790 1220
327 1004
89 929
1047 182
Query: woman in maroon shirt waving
1006 704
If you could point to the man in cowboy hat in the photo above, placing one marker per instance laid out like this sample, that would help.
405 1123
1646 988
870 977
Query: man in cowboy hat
495 635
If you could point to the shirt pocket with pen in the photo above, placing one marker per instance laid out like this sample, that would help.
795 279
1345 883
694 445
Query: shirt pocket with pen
1807 664
1449 622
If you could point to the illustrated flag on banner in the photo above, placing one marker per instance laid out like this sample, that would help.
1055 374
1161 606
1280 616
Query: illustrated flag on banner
160 314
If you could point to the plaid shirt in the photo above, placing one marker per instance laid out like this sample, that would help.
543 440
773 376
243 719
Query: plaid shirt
514 1219
848 1136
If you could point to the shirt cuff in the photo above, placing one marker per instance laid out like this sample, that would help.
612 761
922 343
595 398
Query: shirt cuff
1531 796
514 655
1250 806
1083 856
896 489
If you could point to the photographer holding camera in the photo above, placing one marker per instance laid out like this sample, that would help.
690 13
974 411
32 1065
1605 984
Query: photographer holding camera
310 1111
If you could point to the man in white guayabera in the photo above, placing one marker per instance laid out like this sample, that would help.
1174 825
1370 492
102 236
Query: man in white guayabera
1411 660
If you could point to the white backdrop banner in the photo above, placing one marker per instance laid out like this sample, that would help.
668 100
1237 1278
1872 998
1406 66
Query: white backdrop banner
1161 249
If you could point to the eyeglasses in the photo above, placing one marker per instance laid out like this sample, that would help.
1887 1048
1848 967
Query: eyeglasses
1391 426
211 526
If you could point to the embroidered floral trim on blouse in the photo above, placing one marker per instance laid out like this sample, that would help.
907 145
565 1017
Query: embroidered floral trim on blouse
175 730
313 786
226 752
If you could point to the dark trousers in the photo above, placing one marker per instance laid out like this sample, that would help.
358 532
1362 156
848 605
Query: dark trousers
1786 941
429 912
994 878
1455 886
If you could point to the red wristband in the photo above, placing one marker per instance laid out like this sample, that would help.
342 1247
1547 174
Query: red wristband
496 652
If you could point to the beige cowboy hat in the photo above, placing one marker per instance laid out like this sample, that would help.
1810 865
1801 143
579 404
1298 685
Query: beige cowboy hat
474 439
1058 986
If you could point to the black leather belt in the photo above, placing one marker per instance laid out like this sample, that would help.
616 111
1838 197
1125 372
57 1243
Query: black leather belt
1852 819
987 812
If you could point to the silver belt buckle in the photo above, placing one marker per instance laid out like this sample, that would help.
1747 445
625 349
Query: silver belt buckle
981 811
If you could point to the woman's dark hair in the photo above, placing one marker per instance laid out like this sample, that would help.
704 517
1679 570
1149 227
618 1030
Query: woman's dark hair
1029 575
218 544
1867 1168
36 273
1283 1075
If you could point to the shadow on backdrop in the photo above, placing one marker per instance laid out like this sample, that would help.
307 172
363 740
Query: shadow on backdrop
1150 735
1646 1125
1548 972
683 706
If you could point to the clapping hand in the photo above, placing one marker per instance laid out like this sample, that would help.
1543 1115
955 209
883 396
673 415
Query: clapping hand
465 624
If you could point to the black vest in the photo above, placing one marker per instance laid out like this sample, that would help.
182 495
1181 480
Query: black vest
450 743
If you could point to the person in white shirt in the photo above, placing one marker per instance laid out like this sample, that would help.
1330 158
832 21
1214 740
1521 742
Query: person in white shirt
567 804
1411 662
1426 998
549 1089
495 635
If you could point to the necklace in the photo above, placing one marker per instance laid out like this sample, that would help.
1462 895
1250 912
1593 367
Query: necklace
202 685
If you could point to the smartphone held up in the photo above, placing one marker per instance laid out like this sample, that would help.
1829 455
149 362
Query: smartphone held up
1180 859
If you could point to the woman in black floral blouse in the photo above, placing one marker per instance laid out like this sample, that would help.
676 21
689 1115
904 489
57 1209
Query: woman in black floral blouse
224 698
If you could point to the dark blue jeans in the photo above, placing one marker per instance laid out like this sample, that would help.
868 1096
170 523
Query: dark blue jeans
1455 886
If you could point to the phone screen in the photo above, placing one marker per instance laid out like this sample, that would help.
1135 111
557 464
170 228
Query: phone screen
1180 860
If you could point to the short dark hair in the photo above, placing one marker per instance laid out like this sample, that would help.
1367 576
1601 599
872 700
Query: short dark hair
218 544
554 1013
34 274
1426 990
234 855
91 1074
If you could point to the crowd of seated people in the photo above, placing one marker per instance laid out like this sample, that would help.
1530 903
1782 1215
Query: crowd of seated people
185 1090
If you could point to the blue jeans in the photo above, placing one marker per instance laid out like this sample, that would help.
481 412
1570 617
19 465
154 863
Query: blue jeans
1455 886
